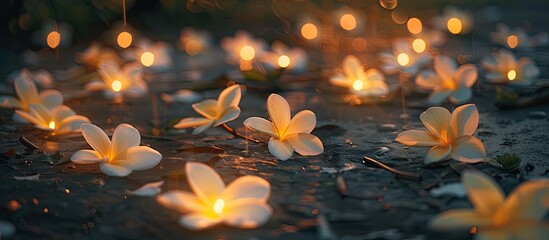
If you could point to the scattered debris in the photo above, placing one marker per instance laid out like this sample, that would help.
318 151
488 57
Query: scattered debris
34 177
451 189
148 190
508 161
410 175
537 115
387 127
27 143
328 170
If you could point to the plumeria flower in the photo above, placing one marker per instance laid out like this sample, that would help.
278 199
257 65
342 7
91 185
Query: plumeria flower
448 135
432 38
448 81
215 112
95 54
454 20
241 204
517 37
194 41
503 68
360 82
403 59
126 80
60 120
292 59
154 55
519 216
287 134
119 157
242 47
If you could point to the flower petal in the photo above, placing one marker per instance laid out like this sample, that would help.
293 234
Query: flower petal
28 117
181 201
247 213
124 137
306 144
483 192
96 138
445 67
427 79
467 149
115 170
51 98
438 96
231 113
437 120
207 108
86 157
203 128
458 219
466 75
464 120
191 122
9 102
230 97
204 181
61 112
260 125
247 187
340 80
71 124
142 158
302 122
148 190
437 153
279 112
352 67
418 138
527 202
461 95
25 90
282 150
198 221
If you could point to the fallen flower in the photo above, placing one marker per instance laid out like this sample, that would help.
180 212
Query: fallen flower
449 135
95 54
361 83
403 59
61 120
215 112
40 77
517 38
294 59
454 20
148 190
448 81
126 80
287 134
503 68
154 55
242 47
520 216
119 157
27 94
241 204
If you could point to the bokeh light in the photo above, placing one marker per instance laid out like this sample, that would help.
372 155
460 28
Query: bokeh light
348 22
124 39
309 31
414 25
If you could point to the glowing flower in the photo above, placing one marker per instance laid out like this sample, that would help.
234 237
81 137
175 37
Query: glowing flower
503 68
126 80
293 59
360 82
194 41
287 134
241 204
27 94
242 47
517 37
95 54
119 157
154 55
519 216
454 20
449 134
448 81
403 59
215 112
60 120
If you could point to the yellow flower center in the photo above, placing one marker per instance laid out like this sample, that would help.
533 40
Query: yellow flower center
283 61
51 125
511 75
247 53
403 59
116 85
218 206
358 85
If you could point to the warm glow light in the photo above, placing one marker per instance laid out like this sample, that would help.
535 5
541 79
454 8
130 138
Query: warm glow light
403 59
147 59
247 53
512 41
124 39
348 22
454 25
358 85
53 39
309 31
51 125
511 75
359 44
116 85
414 25
193 47
218 206
419 45
283 61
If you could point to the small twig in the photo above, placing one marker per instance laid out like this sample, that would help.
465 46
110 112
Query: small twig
411 175
237 134
28 143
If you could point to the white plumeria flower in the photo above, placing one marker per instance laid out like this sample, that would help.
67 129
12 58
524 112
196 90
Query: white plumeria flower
95 54
119 157
503 68
361 83
292 59
448 135
243 44
60 120
126 80
194 41
454 20
517 37
287 134
154 55
519 216
403 59
215 112
241 204
448 81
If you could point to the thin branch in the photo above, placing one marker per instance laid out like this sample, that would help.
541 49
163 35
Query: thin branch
237 134
404 174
